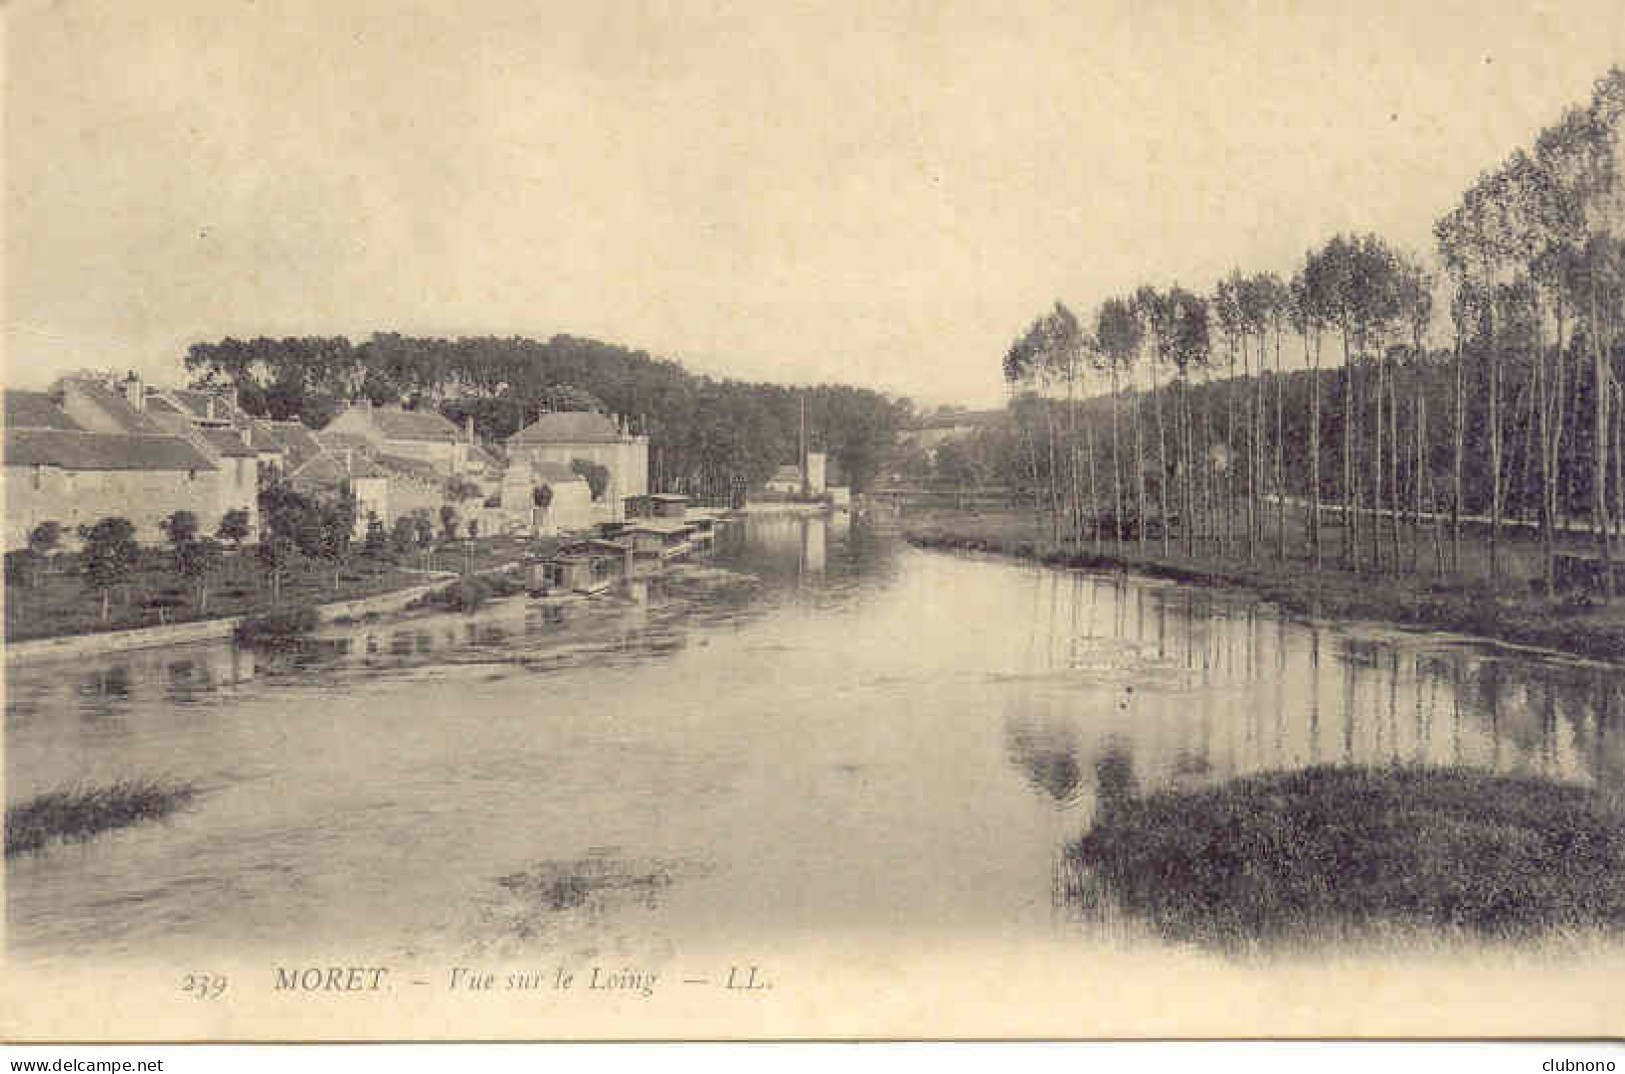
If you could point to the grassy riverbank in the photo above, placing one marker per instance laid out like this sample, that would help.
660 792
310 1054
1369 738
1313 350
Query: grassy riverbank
78 814
1513 612
1328 851
59 602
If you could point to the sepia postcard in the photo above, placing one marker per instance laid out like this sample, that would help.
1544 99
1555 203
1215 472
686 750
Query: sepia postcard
541 521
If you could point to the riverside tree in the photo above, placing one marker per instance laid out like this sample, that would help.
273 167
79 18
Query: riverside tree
109 557
1118 333
181 529
43 539
198 561
233 527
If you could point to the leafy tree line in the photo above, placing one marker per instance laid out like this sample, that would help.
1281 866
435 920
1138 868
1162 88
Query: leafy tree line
707 435
1194 431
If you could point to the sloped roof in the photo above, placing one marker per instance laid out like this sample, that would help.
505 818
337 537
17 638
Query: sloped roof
196 402
35 410
480 454
157 404
115 407
297 441
80 450
326 469
568 427
414 468
787 473
398 424
342 441
264 437
229 442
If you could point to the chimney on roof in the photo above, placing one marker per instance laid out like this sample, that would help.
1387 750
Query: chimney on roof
349 460
468 425
247 432
135 393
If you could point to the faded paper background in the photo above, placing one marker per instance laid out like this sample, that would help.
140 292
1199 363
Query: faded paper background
877 194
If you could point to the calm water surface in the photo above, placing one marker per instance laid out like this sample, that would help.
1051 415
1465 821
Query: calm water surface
820 731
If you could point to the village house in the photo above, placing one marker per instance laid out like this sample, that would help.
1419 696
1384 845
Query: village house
564 436
216 424
423 435
570 508
790 481
87 450
933 430
328 473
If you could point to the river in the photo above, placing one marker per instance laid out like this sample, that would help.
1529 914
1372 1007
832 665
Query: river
818 734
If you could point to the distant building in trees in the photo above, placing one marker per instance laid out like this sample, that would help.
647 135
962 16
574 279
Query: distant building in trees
932 431
790 481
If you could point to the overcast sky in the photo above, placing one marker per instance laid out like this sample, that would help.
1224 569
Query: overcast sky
876 193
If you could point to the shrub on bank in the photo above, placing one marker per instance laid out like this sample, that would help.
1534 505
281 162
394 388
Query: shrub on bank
470 593
76 815
276 628
1333 850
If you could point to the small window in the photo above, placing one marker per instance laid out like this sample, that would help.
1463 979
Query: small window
191 475
39 476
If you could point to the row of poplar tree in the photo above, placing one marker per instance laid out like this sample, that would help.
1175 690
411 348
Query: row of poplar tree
1205 437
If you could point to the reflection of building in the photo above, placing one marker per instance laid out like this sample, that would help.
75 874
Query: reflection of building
565 436
813 546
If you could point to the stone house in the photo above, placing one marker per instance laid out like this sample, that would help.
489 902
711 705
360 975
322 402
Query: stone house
571 507
564 436
214 422
408 485
327 473
423 435
86 450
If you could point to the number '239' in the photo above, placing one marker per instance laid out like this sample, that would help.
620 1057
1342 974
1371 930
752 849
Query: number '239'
204 985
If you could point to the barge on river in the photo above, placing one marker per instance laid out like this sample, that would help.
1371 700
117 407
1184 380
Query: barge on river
660 529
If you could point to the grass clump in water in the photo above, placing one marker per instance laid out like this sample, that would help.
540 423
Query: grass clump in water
1345 850
78 814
